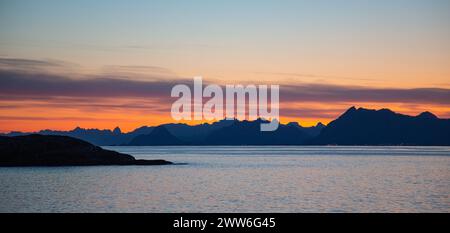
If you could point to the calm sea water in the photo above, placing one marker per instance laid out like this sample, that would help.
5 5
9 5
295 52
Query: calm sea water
241 179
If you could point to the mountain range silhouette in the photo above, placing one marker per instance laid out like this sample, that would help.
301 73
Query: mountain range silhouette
355 127
385 127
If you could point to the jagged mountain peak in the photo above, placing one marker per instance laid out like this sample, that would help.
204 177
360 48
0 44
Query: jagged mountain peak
117 130
320 125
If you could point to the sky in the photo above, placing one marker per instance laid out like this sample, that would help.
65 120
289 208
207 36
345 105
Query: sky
102 64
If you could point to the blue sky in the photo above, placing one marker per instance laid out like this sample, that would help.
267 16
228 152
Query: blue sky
164 30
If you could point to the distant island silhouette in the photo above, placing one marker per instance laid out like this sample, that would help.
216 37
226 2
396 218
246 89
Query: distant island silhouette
51 150
355 127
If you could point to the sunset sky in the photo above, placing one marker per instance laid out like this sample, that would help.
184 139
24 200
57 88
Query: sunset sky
102 64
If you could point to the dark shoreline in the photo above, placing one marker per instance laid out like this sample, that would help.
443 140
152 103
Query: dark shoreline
45 150
285 145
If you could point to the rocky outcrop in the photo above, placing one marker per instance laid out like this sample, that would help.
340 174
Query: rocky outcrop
50 150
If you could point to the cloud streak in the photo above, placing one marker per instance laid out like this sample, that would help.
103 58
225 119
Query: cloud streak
15 84
337 93
21 85
19 62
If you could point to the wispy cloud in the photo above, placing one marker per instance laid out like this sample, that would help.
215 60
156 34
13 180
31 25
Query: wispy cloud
337 93
19 62
316 76
35 66
77 119
15 84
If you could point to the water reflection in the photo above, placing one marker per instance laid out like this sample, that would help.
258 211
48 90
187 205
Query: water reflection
241 179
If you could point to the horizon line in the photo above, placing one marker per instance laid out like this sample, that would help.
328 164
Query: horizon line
216 121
